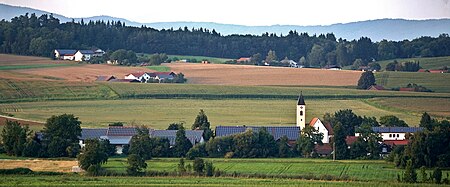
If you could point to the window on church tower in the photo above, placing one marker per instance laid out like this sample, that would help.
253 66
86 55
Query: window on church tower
301 113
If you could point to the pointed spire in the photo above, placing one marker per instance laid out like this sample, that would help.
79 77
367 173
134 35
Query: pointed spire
301 101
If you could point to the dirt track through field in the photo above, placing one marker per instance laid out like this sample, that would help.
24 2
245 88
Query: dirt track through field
224 74
39 165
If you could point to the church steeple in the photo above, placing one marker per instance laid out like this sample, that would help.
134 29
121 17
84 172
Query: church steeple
300 100
301 112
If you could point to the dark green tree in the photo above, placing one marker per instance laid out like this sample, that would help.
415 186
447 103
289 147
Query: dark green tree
136 165
93 154
198 150
392 121
410 174
201 123
341 150
348 120
437 175
140 144
182 144
14 138
284 150
209 169
199 166
307 141
61 132
366 80
175 126
181 166
426 121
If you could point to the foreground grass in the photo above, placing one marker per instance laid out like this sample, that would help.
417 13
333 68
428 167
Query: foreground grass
77 180
158 113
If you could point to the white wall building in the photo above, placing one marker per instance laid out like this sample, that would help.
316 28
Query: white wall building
84 55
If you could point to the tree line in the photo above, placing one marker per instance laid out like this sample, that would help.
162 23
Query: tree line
31 35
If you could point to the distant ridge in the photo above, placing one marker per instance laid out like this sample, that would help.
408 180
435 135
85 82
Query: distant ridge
390 29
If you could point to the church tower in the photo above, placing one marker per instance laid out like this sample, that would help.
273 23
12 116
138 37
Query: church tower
301 112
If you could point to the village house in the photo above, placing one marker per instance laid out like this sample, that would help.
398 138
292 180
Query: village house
291 63
376 87
291 132
65 54
84 55
243 60
140 76
102 78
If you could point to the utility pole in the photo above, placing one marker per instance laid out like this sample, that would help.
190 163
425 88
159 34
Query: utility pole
334 151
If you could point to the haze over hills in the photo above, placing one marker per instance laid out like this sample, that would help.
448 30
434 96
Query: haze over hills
390 29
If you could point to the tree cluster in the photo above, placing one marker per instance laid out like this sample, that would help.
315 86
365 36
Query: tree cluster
31 35
404 66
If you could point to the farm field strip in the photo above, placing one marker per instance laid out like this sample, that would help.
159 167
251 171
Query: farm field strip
158 113
426 63
438 82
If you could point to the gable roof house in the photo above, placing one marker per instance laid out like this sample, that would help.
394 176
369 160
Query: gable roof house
98 53
325 129
376 87
291 63
243 60
65 54
140 76
84 55
102 78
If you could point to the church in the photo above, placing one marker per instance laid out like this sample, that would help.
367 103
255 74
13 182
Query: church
292 132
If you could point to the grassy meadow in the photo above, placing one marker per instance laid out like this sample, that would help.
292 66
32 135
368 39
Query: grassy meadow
426 63
159 68
437 82
200 58
158 113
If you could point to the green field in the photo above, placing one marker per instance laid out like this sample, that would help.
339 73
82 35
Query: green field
33 66
77 180
200 58
159 68
426 63
438 82
158 113
353 173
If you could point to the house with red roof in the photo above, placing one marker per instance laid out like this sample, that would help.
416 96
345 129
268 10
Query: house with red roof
376 87
325 129
243 60
140 76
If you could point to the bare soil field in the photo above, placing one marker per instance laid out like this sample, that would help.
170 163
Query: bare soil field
225 74
40 165
84 73
6 59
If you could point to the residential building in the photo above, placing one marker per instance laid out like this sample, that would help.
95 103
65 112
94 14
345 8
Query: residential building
65 54
84 55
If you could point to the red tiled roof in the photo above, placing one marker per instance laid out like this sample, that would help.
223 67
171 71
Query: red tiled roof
436 71
136 74
324 149
396 142
243 59
350 140
329 129
406 89
376 87
313 121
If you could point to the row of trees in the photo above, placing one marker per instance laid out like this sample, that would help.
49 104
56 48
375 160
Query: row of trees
58 139
32 35
405 66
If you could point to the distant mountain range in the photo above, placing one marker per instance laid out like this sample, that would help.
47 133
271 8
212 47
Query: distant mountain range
390 29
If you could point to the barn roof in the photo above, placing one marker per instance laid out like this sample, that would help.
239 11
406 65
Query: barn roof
86 51
397 129
194 136
119 140
92 133
292 132
105 78
121 131
63 52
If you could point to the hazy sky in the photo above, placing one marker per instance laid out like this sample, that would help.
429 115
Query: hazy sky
246 12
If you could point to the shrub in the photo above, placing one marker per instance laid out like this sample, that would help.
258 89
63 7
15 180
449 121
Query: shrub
16 171
199 166
437 175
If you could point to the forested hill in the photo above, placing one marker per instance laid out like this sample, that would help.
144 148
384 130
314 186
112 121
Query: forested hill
377 30
32 35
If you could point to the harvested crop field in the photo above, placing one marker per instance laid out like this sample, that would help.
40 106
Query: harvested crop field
85 73
224 74
6 60
40 165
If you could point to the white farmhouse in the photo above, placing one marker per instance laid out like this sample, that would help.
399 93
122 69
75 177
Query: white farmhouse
84 55
140 76
65 54
325 129
394 133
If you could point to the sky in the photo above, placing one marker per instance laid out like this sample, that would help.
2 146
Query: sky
246 12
